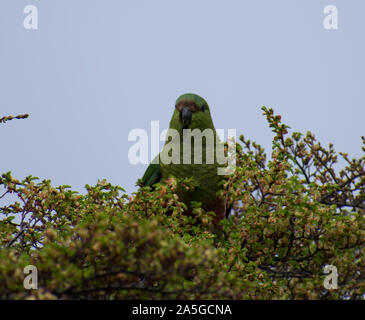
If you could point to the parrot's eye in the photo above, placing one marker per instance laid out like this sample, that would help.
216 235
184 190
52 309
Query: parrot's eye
178 107
203 108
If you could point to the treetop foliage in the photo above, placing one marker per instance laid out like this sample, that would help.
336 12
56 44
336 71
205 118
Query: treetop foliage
292 215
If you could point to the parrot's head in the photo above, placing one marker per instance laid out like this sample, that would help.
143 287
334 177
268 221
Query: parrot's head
192 111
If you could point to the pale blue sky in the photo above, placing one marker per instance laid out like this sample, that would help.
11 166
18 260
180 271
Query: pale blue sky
94 70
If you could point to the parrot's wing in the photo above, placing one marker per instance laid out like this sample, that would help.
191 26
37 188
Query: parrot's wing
152 175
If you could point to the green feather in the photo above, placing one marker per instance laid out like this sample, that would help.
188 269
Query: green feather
152 174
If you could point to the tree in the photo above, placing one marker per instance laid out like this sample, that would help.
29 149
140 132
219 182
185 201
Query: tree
293 214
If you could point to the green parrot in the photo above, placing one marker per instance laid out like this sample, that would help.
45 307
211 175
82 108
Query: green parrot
175 160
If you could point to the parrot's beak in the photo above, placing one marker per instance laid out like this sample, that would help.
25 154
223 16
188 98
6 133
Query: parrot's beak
185 117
